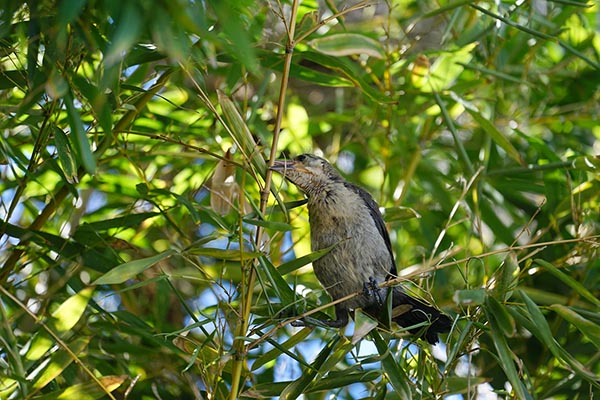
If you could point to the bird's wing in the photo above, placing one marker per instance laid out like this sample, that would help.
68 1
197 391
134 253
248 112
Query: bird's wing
377 219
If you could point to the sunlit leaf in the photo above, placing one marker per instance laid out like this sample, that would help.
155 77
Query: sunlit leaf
129 270
65 155
446 69
346 44
59 361
69 312
300 262
498 136
86 391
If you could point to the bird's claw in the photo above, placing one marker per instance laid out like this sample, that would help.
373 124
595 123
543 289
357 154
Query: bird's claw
371 288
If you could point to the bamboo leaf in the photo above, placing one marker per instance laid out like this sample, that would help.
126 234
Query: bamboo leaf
498 137
569 281
505 322
86 391
506 357
69 312
276 352
297 387
394 373
587 327
347 44
128 270
59 361
65 155
78 136
300 262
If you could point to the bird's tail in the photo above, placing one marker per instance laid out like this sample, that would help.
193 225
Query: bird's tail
427 320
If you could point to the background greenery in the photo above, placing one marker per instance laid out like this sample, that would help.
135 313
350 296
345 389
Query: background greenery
133 143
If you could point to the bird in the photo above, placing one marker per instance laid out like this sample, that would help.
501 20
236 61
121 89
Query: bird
345 217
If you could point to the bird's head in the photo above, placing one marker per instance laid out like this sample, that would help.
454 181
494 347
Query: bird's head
309 173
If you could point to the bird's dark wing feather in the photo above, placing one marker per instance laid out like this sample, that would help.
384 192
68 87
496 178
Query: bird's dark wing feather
377 218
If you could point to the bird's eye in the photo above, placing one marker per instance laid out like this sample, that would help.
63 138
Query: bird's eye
301 158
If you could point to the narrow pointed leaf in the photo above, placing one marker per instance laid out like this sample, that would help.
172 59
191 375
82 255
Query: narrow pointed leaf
568 280
300 262
506 357
498 137
395 374
587 327
297 387
59 361
275 352
128 270
79 137
69 312
347 44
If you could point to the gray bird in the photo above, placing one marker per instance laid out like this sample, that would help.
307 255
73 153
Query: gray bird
345 215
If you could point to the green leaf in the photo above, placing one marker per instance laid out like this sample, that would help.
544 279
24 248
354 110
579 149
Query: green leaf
498 137
126 221
297 387
235 28
40 344
300 262
363 325
347 44
505 321
506 357
277 226
69 312
508 277
224 254
343 378
278 284
78 136
63 319
65 155
241 134
587 327
127 28
59 361
351 71
12 78
394 373
128 270
86 391
470 296
276 352
535 322
446 69
391 214
569 281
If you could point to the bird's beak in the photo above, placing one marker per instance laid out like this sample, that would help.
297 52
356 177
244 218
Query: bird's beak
283 165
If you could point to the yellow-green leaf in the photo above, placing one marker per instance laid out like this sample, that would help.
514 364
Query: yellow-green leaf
59 361
86 391
347 44
128 270
69 312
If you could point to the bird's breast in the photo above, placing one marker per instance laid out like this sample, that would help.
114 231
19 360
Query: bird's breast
359 251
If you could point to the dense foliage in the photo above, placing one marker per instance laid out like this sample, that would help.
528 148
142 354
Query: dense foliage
147 252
